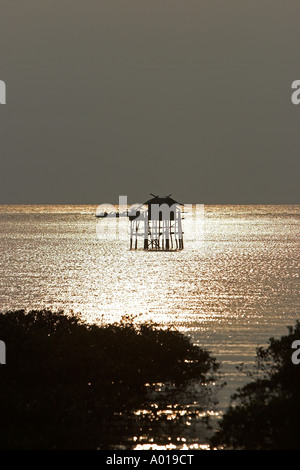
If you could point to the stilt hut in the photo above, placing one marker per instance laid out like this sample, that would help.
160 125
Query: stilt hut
158 223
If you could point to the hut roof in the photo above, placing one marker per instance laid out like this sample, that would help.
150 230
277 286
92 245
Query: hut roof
162 200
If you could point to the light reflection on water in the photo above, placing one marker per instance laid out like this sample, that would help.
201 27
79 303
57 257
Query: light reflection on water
230 289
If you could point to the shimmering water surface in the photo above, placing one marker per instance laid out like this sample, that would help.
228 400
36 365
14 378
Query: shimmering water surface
235 284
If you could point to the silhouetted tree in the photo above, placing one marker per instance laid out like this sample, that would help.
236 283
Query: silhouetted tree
69 385
265 413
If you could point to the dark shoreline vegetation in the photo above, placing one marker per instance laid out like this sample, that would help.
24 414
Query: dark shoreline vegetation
70 385
265 413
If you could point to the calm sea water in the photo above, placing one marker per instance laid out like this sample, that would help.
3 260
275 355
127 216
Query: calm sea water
235 284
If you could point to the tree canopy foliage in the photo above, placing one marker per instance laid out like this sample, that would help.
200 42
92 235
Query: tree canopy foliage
70 385
265 413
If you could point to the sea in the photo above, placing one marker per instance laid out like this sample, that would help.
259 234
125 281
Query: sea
233 286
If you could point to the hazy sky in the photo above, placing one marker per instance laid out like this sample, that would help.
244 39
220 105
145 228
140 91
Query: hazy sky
109 97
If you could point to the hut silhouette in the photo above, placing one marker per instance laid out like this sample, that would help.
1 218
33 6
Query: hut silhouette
158 223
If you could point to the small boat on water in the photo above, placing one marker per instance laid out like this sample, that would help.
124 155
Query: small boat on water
112 215
102 214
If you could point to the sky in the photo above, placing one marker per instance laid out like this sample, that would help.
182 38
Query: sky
127 97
